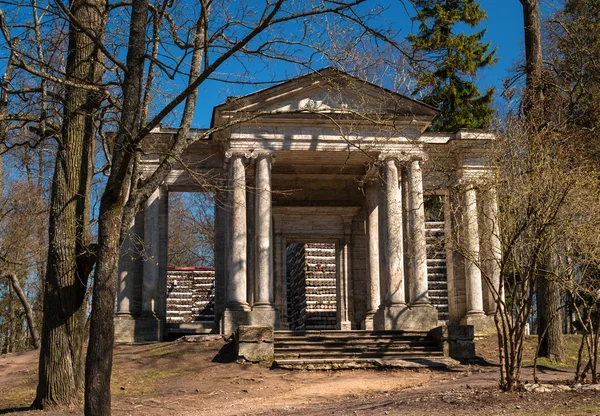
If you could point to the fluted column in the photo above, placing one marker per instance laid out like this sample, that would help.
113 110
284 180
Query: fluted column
417 243
391 250
237 256
263 295
373 297
472 271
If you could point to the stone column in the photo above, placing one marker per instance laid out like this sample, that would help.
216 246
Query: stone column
391 246
130 277
128 257
250 242
423 315
491 253
417 242
236 312
373 298
220 249
391 251
471 253
344 267
264 313
149 326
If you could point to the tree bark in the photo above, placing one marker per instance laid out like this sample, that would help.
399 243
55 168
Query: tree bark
549 315
533 100
63 330
99 357
12 278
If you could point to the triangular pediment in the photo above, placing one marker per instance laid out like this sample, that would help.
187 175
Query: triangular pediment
329 91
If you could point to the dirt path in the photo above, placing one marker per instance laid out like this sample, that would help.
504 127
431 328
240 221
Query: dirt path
184 379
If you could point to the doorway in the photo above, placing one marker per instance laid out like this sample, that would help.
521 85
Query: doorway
311 278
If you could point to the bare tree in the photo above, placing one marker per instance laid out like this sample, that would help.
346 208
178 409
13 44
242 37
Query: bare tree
107 88
534 110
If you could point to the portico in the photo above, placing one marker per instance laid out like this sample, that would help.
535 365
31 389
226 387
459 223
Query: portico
328 158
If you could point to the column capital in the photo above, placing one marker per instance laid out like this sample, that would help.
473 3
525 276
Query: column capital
235 153
264 154
403 158
398 157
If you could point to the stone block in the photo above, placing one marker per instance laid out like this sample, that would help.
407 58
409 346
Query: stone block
254 334
456 341
232 319
148 328
254 343
460 332
483 324
406 318
461 350
255 353
265 317
124 328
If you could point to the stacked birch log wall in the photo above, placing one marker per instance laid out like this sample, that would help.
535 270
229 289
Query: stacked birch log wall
436 267
311 286
190 295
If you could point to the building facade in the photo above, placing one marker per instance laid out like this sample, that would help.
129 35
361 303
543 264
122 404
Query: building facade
327 159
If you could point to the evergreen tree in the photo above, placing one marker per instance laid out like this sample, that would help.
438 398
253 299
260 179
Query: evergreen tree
452 61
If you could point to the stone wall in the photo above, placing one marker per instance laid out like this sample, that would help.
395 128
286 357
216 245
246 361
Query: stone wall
311 286
190 295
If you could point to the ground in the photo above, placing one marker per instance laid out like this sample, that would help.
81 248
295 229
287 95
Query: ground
189 378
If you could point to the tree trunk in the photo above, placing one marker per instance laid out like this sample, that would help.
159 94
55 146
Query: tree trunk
12 327
548 290
65 314
98 366
12 278
549 316
533 100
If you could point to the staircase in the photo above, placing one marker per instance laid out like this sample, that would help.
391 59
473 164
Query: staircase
327 350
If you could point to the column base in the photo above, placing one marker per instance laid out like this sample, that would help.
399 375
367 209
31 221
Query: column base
124 328
148 328
264 316
405 318
233 318
483 324
368 322
344 326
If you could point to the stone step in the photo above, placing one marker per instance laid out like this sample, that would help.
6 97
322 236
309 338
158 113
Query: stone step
353 355
355 343
366 363
190 328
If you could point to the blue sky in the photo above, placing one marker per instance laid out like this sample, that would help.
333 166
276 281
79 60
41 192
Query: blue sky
504 30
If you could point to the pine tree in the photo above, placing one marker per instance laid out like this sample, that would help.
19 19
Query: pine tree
453 59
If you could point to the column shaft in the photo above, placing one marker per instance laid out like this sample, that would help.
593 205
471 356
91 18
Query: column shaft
491 250
128 257
472 271
417 242
263 297
373 297
236 288
152 253
391 245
